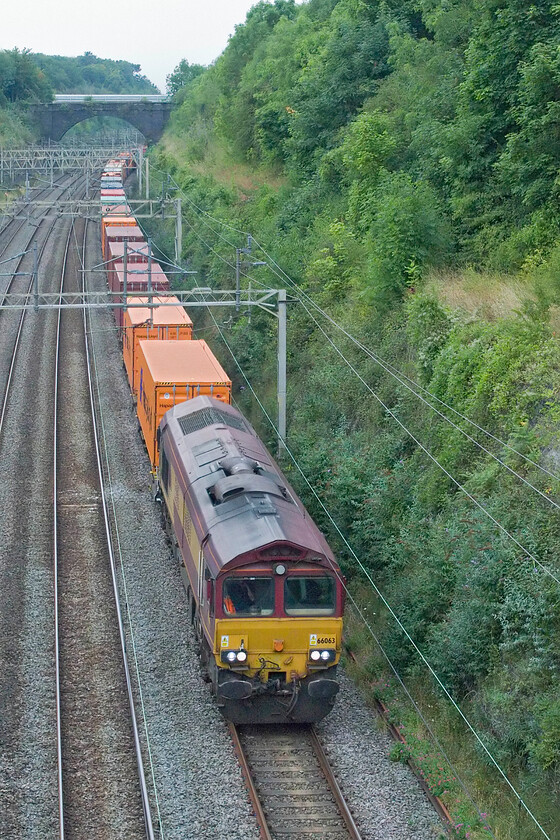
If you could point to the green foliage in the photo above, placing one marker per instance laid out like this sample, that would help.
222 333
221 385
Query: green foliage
374 141
407 234
182 77
21 80
546 750
89 74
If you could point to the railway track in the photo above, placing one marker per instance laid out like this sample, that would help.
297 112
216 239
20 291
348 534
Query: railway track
102 792
101 785
9 235
291 784
11 322
27 746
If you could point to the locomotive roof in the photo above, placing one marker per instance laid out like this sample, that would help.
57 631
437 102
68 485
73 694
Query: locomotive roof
242 500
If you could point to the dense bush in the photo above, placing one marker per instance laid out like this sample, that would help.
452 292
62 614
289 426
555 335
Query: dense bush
366 143
89 74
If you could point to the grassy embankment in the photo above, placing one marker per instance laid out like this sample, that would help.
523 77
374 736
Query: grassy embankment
419 536
399 161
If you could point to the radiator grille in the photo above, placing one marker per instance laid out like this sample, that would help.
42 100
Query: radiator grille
208 417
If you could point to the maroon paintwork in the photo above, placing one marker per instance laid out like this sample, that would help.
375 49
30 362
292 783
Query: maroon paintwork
234 532
118 233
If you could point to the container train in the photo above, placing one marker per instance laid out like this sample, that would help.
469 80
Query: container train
265 593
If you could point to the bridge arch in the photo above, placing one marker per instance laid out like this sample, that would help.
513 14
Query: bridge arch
54 119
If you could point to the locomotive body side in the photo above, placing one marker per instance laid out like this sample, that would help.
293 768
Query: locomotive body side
265 592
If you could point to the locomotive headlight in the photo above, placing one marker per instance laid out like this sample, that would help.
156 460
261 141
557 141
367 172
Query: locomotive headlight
242 656
231 656
315 655
326 655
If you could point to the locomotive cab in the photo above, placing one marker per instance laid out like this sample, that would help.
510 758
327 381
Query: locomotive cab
277 641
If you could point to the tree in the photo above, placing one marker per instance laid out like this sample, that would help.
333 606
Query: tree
21 80
182 76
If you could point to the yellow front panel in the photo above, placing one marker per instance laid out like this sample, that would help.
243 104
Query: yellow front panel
258 635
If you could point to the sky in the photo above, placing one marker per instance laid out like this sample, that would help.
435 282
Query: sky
156 34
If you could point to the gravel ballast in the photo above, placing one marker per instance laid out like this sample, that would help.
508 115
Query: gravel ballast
386 800
200 790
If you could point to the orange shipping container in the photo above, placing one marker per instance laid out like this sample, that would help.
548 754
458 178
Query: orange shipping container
169 323
136 252
173 372
115 210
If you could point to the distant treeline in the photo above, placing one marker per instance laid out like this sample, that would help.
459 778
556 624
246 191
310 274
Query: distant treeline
89 74
34 77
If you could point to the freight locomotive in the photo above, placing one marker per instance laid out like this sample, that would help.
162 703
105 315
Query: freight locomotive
265 594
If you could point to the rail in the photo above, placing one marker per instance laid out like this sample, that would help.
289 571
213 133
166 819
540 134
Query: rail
288 765
149 833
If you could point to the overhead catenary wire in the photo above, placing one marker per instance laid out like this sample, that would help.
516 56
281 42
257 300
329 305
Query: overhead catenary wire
357 559
383 599
303 296
399 375
387 366
433 458
361 617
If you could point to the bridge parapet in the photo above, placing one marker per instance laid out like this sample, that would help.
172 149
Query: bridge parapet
110 97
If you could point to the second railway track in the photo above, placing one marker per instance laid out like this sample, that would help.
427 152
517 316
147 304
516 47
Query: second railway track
291 784
100 790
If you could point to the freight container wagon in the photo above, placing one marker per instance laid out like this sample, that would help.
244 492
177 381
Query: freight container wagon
110 196
128 162
112 199
168 323
136 252
117 229
172 372
115 166
115 210
137 280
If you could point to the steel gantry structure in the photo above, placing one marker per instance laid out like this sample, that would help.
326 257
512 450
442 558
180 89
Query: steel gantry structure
273 301
46 159
166 208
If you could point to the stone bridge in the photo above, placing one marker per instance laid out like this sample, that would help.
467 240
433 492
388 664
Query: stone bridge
149 114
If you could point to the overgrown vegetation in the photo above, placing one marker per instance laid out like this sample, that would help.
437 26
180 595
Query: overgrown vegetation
33 77
88 73
378 148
